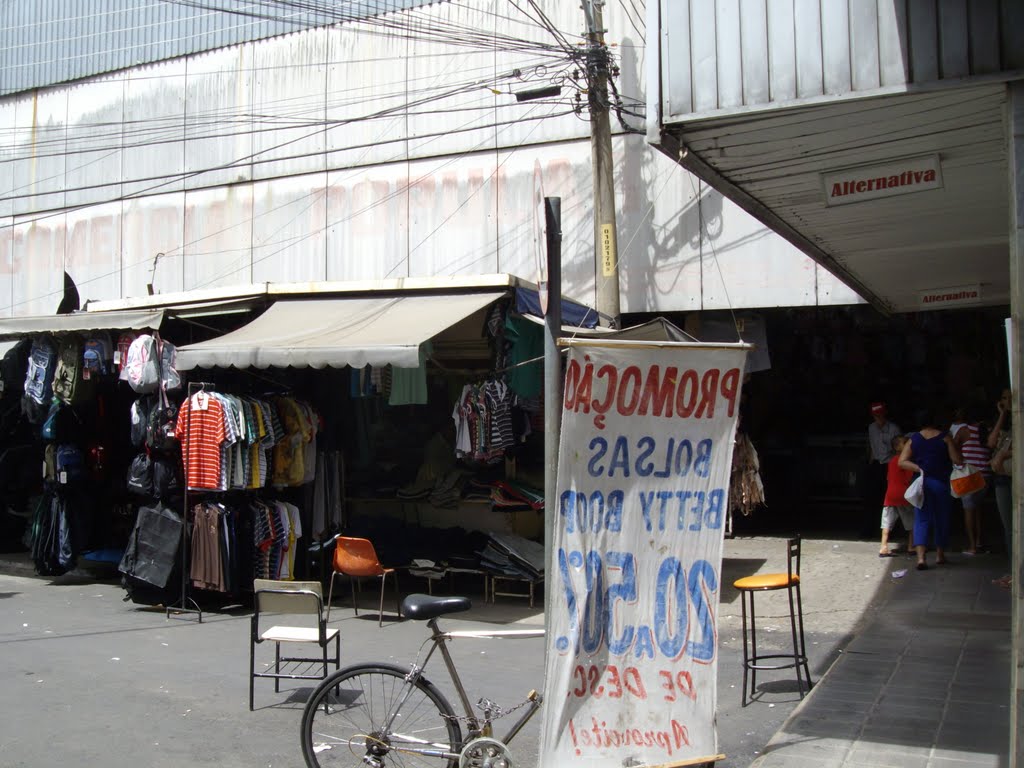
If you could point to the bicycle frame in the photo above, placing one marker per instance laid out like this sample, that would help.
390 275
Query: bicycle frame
477 727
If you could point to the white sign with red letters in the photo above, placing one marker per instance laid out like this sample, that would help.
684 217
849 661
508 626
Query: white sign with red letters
635 561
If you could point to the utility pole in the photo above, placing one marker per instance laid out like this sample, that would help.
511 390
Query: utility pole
606 251
552 389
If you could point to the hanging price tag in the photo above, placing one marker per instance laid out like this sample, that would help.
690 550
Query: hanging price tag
63 477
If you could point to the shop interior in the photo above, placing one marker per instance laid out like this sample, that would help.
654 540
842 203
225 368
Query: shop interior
422 470
807 414
439 466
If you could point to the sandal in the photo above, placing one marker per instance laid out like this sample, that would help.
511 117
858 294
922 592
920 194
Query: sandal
922 566
887 554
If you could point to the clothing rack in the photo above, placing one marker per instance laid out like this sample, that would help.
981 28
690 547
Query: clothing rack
183 607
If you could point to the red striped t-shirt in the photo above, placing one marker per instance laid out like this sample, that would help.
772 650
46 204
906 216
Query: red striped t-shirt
200 429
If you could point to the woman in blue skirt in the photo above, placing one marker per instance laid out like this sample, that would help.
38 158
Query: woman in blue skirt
933 453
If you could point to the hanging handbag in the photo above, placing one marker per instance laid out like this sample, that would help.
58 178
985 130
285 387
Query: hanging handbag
965 480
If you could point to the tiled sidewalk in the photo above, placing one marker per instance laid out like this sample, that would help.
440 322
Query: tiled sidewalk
925 684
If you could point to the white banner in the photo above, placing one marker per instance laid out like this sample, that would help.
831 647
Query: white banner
643 491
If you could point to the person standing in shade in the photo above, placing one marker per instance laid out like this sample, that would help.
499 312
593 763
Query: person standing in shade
968 438
881 433
932 452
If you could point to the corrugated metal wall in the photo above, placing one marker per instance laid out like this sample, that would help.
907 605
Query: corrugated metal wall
345 153
44 42
720 56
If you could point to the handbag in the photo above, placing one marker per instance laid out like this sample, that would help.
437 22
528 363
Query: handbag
915 492
965 480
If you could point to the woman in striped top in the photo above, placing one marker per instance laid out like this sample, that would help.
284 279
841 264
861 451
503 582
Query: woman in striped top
968 438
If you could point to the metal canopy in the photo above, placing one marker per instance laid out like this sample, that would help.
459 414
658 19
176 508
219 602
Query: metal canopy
315 333
79 322
894 249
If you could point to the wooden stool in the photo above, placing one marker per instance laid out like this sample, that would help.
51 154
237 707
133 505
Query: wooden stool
765 582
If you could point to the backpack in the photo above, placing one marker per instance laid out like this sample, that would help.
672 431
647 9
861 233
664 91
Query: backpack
70 464
140 421
46 537
97 356
169 377
143 365
67 379
160 429
34 413
42 364
12 367
53 426
66 551
140 475
124 343
166 479
50 464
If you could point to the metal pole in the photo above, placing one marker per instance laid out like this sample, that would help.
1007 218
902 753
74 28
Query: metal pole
1015 136
552 390
606 252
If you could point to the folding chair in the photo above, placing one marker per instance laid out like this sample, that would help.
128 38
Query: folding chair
291 598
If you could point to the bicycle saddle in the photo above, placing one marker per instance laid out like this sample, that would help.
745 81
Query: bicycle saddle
423 607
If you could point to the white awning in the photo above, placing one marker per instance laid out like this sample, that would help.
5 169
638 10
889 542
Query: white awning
78 322
316 333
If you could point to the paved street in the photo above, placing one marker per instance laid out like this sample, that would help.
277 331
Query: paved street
93 680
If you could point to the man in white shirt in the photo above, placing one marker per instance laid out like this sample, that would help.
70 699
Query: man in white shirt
881 432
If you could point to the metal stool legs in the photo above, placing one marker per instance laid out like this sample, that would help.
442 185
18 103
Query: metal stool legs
753 661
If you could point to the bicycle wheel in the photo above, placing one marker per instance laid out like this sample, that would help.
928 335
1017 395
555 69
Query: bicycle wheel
343 723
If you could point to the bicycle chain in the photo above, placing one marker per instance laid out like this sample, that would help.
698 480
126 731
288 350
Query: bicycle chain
496 711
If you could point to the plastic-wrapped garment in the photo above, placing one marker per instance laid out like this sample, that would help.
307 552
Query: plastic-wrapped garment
746 491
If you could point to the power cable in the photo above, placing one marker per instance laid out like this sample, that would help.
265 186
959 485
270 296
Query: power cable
252 157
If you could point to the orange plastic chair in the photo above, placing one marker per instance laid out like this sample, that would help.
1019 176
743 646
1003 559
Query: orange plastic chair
357 559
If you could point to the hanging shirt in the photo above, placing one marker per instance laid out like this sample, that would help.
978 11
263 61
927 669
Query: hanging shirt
200 430
463 443
409 385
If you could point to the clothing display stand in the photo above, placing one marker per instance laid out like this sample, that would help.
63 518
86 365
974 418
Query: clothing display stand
194 387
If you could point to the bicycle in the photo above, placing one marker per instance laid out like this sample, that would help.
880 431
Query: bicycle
380 714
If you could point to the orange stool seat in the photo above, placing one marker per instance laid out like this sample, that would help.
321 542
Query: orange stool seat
766 581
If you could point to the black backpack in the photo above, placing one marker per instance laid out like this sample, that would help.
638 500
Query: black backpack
140 476
160 429
139 420
166 479
46 536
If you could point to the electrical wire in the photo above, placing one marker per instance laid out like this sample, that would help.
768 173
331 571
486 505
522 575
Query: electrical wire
464 36
146 131
629 17
249 158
